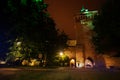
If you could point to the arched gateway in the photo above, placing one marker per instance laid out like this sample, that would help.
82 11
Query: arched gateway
83 49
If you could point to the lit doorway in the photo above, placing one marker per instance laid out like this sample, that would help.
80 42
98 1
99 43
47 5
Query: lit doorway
72 63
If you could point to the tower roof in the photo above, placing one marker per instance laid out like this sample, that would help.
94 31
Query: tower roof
83 9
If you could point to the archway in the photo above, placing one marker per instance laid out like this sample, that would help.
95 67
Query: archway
89 63
72 63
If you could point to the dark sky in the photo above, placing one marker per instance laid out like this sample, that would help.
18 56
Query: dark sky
62 12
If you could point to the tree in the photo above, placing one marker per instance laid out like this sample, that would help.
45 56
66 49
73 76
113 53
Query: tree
107 28
29 23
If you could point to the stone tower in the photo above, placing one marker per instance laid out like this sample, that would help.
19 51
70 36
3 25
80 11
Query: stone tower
83 24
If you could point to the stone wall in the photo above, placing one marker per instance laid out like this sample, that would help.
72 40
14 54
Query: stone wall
112 61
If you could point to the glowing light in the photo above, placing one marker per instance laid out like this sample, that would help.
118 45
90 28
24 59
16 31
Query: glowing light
61 53
86 10
33 62
88 64
19 43
25 62
2 62
79 64
72 61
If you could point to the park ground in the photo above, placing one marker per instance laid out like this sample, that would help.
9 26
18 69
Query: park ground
60 73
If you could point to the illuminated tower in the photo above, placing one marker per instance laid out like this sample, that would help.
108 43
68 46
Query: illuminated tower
83 24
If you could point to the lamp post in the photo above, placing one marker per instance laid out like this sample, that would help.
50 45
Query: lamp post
61 54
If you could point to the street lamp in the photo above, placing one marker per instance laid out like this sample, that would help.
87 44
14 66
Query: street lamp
61 54
61 58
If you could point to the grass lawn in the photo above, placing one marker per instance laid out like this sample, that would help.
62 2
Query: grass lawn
60 74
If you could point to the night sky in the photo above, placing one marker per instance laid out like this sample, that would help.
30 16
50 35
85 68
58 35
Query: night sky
62 12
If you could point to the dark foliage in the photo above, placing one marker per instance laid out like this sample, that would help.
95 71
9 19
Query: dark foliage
107 27
28 21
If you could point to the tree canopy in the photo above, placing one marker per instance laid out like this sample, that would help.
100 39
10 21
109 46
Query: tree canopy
107 27
27 21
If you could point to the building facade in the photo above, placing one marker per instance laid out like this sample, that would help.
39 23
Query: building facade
84 47
81 51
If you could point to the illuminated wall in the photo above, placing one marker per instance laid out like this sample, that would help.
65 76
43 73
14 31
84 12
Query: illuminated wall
111 61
